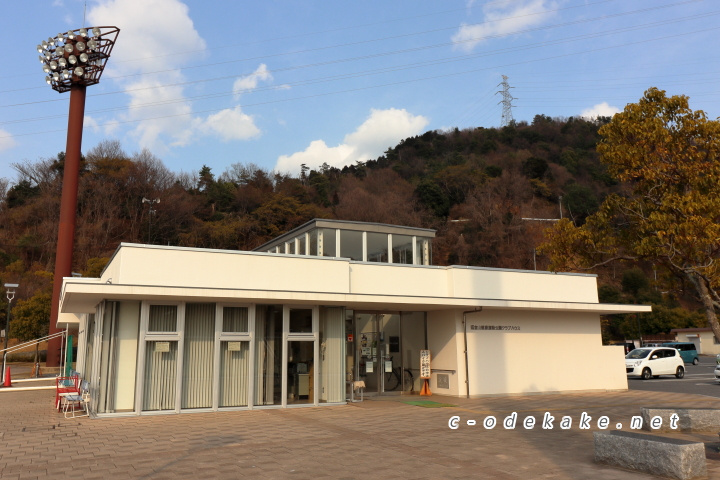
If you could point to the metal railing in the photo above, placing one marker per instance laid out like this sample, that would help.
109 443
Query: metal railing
24 345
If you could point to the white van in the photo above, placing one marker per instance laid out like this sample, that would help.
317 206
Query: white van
649 362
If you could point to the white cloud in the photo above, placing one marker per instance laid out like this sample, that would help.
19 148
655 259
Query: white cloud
231 124
600 110
503 18
156 36
250 82
91 124
6 140
111 127
381 130
160 119
157 39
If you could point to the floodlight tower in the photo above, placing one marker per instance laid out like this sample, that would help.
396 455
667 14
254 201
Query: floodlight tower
72 61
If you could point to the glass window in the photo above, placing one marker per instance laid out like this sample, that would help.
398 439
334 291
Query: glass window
412 333
423 254
312 239
198 354
402 249
301 245
160 387
332 352
234 373
377 247
235 320
268 354
163 318
351 245
329 244
301 372
300 320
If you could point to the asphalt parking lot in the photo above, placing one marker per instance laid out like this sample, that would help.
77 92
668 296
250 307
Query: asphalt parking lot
699 379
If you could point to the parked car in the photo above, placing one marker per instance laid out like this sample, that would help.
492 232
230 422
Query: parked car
687 351
717 371
649 362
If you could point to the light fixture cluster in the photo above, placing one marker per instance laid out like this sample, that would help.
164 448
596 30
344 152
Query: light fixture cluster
76 57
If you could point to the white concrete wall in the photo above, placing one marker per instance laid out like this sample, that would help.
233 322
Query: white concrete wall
178 267
82 343
551 352
707 344
446 344
232 270
522 285
398 280
128 324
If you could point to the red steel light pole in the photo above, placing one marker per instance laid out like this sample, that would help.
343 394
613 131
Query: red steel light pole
72 61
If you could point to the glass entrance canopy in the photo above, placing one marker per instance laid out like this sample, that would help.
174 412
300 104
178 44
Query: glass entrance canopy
359 241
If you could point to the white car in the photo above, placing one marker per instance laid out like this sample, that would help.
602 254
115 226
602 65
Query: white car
649 362
717 373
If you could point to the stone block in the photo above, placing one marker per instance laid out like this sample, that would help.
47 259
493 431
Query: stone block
689 419
652 454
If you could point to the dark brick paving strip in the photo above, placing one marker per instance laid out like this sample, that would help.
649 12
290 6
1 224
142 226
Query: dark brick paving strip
374 439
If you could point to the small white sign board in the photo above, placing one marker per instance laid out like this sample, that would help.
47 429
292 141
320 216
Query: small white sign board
162 347
233 346
424 363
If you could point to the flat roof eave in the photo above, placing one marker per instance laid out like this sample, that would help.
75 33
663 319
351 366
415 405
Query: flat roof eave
83 297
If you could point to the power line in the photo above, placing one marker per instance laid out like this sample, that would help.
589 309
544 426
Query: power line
440 45
377 85
356 74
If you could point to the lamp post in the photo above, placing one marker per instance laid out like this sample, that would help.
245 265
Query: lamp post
72 61
10 294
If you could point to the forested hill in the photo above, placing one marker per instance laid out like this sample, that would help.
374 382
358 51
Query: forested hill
474 186
489 193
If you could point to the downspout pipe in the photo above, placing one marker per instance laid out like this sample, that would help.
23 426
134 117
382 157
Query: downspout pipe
467 367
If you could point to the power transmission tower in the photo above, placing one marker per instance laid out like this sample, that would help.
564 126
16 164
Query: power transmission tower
507 117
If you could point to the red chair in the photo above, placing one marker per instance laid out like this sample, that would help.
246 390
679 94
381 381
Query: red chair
66 386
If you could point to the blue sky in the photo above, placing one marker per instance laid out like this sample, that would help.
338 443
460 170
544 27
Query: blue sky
281 83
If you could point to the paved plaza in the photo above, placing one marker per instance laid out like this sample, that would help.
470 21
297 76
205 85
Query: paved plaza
378 438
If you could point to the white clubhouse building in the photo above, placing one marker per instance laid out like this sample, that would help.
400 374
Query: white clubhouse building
330 303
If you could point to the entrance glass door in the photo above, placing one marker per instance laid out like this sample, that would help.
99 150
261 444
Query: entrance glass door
378 360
